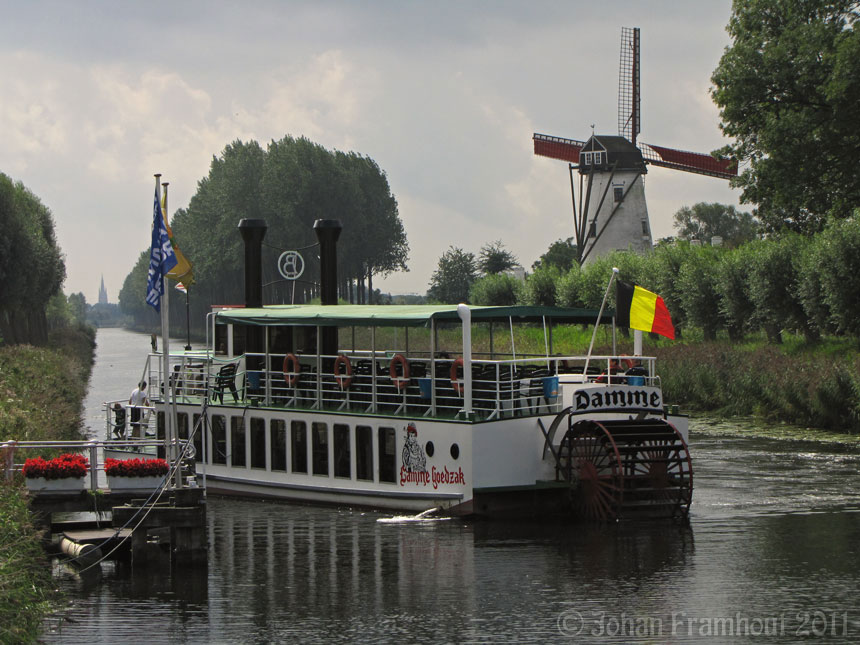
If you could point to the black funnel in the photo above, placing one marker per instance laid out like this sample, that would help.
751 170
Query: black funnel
253 231
328 230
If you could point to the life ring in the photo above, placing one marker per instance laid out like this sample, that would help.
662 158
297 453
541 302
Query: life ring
291 369
456 383
629 362
400 381
342 361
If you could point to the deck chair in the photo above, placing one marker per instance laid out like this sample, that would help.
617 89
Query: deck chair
225 379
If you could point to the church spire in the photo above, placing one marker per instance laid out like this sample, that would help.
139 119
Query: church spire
103 297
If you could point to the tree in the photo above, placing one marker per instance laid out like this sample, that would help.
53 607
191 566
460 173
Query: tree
541 286
290 184
499 289
32 269
453 277
704 221
562 254
697 283
789 96
493 258
733 283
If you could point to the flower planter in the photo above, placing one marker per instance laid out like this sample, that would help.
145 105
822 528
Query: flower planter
133 483
66 485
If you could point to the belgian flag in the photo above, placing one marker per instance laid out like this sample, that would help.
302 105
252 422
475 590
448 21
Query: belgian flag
638 308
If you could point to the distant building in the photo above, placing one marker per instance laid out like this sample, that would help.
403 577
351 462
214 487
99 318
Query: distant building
103 298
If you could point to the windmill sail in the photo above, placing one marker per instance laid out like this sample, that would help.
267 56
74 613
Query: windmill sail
557 147
629 116
695 162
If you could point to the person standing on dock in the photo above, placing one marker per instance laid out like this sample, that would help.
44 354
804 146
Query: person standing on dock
136 401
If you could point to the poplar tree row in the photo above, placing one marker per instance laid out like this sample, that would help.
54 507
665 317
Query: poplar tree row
32 269
290 184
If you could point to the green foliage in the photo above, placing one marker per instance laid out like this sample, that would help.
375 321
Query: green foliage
773 281
540 287
25 591
562 254
493 258
703 221
836 254
697 282
499 289
569 288
733 283
31 264
789 96
290 184
453 277
810 389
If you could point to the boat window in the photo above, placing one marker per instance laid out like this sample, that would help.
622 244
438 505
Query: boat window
198 438
278 432
258 443
219 439
319 438
429 449
182 425
364 453
299 446
455 451
342 466
237 442
387 455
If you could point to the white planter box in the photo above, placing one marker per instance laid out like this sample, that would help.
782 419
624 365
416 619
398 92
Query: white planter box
133 483
66 485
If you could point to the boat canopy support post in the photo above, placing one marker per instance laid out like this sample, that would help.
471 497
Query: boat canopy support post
466 316
637 342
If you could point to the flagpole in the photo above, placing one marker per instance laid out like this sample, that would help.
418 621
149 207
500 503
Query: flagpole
597 322
169 418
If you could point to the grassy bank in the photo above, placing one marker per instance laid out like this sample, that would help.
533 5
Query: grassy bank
41 391
813 386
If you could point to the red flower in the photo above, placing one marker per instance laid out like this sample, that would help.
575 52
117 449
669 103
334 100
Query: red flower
62 467
136 467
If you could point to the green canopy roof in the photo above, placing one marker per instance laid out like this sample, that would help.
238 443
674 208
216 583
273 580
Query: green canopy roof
398 315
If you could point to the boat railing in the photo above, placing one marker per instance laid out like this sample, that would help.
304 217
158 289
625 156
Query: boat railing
376 383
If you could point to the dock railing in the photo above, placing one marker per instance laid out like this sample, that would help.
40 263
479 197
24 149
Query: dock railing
89 448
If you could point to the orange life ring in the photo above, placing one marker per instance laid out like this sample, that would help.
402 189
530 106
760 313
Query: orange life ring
400 381
291 369
629 362
343 382
455 382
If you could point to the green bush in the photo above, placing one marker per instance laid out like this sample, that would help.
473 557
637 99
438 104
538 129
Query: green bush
496 289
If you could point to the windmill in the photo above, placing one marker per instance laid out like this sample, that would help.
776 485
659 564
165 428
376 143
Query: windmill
612 169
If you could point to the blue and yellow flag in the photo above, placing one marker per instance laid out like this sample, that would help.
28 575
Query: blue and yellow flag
161 256
182 272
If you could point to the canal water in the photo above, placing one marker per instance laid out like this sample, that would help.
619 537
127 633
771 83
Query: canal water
771 554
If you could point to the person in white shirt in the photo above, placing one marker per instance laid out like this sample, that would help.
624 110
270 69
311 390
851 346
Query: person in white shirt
137 399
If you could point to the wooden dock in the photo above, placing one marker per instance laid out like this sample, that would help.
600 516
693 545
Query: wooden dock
140 531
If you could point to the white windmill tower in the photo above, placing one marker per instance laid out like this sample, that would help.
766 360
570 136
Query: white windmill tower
612 210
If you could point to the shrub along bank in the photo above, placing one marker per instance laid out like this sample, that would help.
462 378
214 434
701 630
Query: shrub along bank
41 391
815 386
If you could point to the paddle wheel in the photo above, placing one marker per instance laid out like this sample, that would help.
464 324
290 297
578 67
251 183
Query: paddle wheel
626 468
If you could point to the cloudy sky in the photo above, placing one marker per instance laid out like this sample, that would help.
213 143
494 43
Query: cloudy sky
95 97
